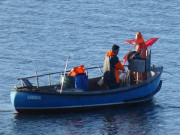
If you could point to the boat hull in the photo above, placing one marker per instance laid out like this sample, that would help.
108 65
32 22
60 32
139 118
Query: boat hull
31 102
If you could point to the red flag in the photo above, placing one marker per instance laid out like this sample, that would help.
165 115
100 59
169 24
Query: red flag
150 42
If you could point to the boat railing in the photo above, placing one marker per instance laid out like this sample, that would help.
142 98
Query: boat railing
60 72
26 82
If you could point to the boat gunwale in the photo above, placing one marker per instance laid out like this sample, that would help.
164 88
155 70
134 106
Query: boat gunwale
156 70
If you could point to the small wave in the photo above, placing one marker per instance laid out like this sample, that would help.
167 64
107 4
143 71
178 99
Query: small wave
177 107
5 110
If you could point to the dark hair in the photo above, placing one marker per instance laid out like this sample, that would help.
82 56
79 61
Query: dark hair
115 47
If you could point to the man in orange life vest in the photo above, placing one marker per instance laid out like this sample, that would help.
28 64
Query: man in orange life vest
141 48
112 65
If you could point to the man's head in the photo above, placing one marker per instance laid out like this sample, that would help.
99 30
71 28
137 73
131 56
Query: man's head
139 37
115 49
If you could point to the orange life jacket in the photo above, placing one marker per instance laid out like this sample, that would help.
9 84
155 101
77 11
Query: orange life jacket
112 69
77 70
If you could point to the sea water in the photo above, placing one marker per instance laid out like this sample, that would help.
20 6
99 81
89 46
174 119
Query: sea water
39 35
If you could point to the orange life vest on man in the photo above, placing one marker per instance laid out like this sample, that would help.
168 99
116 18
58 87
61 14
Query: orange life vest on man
112 65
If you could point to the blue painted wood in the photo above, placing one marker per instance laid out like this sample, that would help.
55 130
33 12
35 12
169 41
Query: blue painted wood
23 100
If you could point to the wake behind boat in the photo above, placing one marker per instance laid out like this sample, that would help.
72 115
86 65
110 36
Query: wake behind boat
82 93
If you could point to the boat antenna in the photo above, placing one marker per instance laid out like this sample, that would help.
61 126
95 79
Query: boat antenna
64 74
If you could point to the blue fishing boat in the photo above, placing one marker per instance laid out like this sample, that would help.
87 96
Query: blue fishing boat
30 98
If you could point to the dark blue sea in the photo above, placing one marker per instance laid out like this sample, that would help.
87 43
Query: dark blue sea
39 35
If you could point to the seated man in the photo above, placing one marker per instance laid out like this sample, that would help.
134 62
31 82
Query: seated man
112 65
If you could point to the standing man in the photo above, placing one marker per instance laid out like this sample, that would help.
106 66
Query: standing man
141 48
112 65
